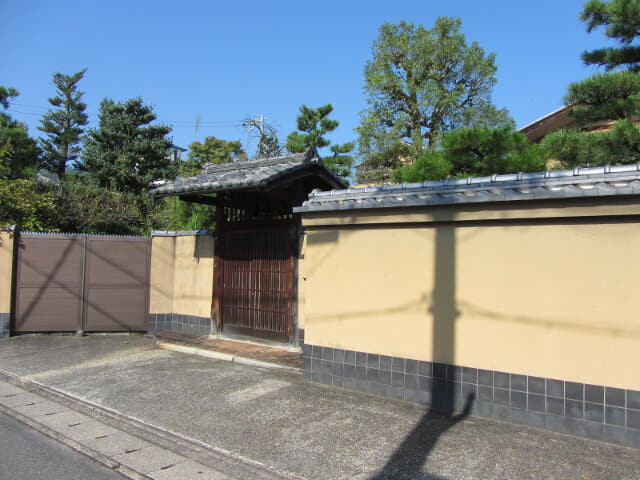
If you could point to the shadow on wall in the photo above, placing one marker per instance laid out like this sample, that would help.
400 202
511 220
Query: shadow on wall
51 280
203 247
448 395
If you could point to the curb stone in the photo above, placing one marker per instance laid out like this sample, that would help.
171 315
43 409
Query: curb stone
74 445
163 345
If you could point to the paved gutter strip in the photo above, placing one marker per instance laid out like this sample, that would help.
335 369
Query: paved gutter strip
224 463
223 356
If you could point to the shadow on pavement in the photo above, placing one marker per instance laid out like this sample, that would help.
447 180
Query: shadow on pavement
408 460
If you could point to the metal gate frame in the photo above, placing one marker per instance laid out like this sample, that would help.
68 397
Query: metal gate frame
81 307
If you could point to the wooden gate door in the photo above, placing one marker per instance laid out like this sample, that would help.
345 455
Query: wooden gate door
257 280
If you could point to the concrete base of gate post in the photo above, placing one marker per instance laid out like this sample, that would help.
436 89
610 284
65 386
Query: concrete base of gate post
4 325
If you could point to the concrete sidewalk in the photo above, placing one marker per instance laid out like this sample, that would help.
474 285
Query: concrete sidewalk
274 419
130 456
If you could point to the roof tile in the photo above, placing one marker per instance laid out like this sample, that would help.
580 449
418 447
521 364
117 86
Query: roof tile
579 182
250 174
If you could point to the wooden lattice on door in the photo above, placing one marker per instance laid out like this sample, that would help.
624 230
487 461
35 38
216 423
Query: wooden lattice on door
257 280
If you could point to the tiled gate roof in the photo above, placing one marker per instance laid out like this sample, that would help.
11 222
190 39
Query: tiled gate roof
250 174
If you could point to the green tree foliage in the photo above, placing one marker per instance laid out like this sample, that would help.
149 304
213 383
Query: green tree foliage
614 95
485 151
269 146
621 22
212 150
422 83
573 148
126 152
340 162
313 124
27 204
475 152
6 94
64 124
86 208
171 213
19 153
431 165
609 96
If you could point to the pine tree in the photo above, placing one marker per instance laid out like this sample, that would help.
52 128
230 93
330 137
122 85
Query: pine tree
313 124
340 162
474 151
19 153
6 94
605 96
613 95
63 125
621 22
125 153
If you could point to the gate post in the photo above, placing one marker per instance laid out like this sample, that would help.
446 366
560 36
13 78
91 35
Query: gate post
216 310
8 259
83 287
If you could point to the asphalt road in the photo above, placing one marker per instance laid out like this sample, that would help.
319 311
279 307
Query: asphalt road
29 454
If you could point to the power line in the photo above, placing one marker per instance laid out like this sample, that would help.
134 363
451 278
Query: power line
26 113
187 123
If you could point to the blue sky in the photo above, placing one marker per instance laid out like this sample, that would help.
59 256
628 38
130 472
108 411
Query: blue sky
226 61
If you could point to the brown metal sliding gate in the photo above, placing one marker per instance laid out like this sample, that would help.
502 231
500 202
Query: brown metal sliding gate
257 280
82 282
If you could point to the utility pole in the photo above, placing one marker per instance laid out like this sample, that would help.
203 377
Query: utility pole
252 123
266 134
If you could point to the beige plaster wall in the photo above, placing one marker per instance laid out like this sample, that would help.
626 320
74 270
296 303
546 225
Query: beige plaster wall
182 274
6 259
193 275
555 299
162 274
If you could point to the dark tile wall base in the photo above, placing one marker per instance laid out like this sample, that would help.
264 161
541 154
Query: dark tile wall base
594 411
4 325
184 324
